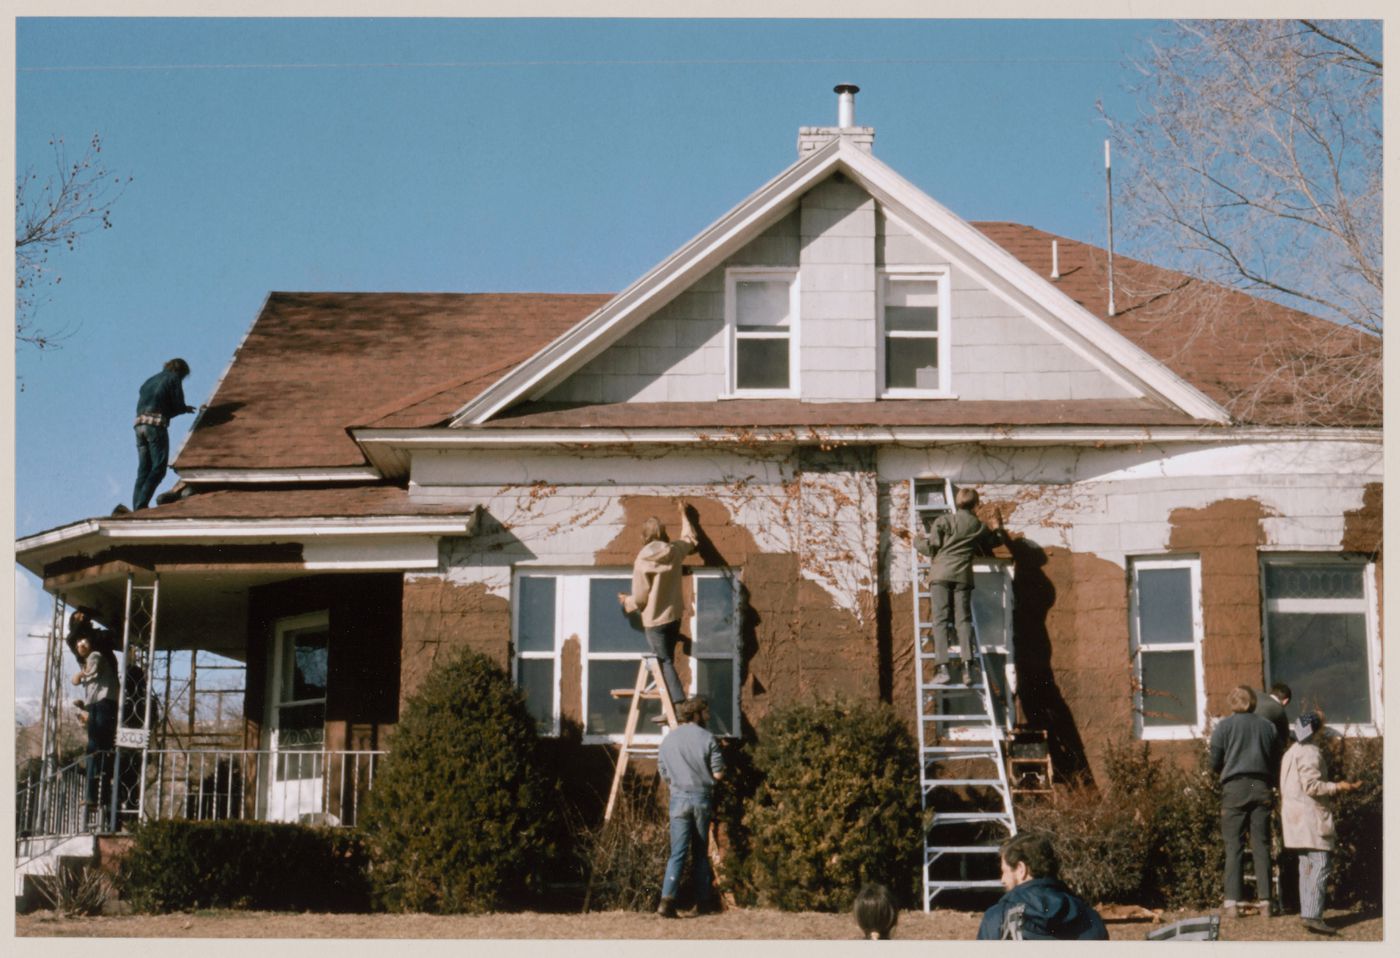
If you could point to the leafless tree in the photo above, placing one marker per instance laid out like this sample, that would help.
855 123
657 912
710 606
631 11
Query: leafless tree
51 213
1254 162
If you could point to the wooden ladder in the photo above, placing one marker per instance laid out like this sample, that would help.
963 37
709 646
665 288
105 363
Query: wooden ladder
650 685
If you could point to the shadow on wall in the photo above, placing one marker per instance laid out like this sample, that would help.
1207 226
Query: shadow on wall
1041 703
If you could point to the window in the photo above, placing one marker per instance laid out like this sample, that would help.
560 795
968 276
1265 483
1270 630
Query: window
715 643
992 605
551 607
1320 635
760 307
1166 626
914 350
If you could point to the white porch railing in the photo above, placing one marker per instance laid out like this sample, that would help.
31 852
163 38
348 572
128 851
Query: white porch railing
314 787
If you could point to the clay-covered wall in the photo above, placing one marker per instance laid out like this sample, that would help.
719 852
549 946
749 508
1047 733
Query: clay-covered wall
820 540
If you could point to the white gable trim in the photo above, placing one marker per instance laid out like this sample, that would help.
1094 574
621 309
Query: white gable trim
567 353
897 193
668 279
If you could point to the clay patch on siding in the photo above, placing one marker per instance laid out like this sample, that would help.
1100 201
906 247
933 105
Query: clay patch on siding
1362 531
440 617
571 682
723 541
1226 535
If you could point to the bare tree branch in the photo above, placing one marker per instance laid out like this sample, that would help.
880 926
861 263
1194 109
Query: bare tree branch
52 214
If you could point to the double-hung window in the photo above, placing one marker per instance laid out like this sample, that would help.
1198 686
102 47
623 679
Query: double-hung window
553 609
914 341
1166 627
1320 636
760 308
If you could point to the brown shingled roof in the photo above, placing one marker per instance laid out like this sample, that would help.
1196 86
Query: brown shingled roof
297 503
1265 363
315 363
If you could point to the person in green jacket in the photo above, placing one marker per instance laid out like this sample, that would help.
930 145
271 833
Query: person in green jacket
954 538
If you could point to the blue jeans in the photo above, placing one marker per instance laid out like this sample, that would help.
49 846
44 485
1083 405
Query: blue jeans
663 639
690 832
152 457
102 739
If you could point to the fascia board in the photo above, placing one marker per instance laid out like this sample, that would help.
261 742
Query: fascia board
892 189
261 476
652 291
412 440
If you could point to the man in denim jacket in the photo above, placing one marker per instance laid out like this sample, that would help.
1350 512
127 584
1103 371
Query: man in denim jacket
162 397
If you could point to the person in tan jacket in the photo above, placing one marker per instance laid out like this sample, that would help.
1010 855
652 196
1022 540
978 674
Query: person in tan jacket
656 593
1308 824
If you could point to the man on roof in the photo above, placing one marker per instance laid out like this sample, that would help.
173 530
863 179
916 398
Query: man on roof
162 397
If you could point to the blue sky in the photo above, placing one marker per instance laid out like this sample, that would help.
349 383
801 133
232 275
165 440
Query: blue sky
475 155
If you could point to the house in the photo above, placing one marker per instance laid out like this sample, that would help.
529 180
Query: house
380 479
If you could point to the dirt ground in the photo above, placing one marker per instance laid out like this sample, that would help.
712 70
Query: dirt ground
734 924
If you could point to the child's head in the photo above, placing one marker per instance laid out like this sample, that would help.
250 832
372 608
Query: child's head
965 498
876 911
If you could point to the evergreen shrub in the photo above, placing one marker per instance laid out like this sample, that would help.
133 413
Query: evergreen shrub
1358 862
836 805
179 865
462 817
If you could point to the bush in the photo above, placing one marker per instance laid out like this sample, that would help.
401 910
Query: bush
1358 862
461 817
836 805
273 866
625 856
1188 862
74 890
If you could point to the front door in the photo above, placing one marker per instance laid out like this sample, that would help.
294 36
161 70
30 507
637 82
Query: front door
296 719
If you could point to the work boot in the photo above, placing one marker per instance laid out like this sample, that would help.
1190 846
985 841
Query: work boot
1319 927
941 676
120 509
667 908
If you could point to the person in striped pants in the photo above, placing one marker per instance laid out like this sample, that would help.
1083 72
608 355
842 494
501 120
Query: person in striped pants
1308 822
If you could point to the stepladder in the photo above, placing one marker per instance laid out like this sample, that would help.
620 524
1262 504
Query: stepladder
964 786
650 686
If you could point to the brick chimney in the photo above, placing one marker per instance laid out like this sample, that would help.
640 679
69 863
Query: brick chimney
810 138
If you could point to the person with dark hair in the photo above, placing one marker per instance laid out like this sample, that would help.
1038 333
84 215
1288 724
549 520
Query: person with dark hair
954 538
93 651
1047 909
1308 823
1241 753
1271 707
162 397
656 593
876 911
690 762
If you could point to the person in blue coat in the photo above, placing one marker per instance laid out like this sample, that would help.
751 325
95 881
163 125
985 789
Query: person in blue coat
162 397
1030 871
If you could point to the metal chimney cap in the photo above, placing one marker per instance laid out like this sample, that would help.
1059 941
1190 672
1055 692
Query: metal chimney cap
845 88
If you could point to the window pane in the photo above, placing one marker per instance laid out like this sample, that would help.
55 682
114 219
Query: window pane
1329 652
911 363
536 599
1164 606
911 298
913 319
305 665
536 677
763 363
762 302
716 631
715 680
1316 581
609 628
1169 688
607 715
989 607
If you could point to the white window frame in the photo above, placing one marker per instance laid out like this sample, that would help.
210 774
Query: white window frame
1369 604
735 657
940 275
1167 732
732 277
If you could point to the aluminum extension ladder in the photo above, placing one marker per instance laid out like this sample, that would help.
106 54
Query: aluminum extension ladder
650 686
962 838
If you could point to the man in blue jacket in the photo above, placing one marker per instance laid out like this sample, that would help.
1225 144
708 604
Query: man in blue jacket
1030 872
162 398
